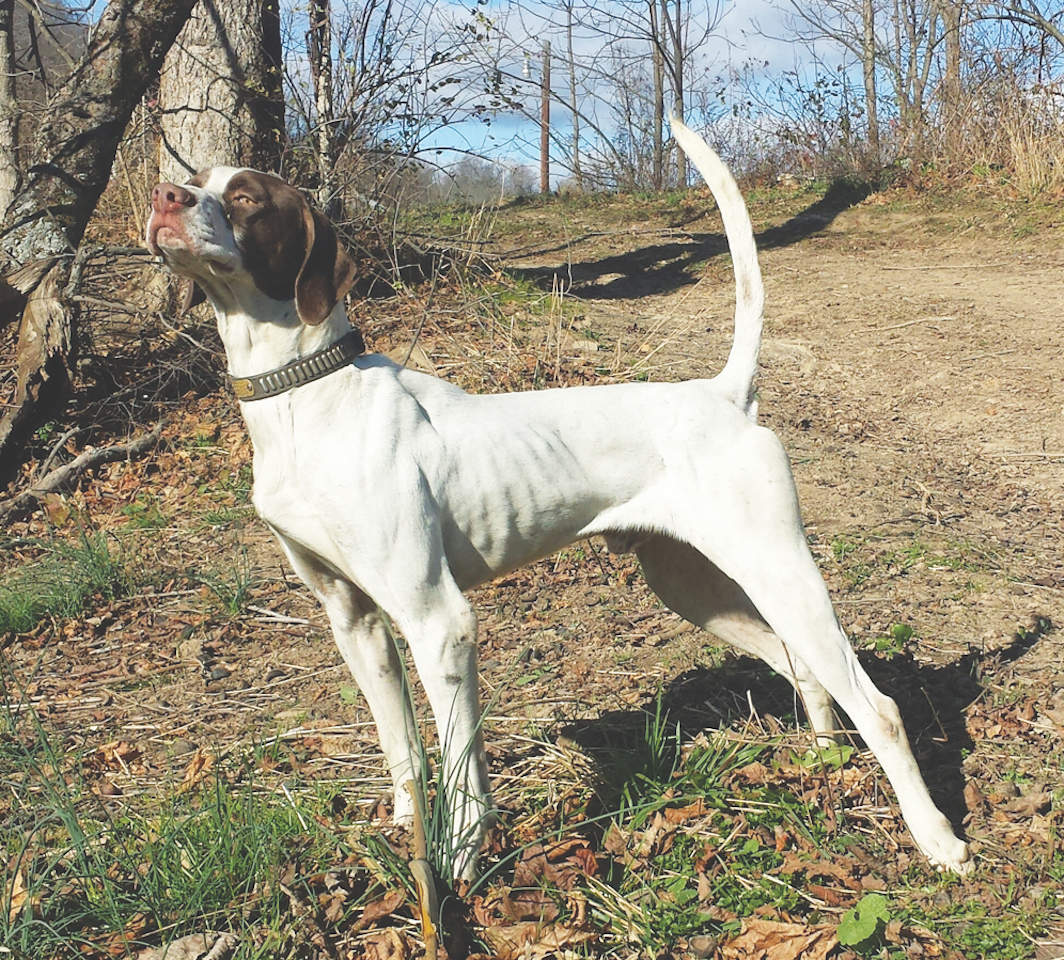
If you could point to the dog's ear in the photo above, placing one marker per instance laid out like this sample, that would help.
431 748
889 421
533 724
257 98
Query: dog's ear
191 296
327 272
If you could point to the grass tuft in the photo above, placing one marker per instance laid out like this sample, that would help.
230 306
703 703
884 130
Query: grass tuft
106 876
61 582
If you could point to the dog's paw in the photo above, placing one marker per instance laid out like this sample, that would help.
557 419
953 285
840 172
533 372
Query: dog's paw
950 853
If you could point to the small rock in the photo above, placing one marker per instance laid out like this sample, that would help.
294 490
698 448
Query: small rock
702 945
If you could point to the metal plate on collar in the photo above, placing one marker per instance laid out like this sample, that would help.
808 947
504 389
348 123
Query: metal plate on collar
243 388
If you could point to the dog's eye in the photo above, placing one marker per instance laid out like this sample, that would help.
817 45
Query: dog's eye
244 198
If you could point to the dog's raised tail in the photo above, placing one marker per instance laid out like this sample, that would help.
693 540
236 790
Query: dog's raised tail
741 369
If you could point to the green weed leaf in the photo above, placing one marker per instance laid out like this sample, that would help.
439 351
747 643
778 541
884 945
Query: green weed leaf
832 757
865 922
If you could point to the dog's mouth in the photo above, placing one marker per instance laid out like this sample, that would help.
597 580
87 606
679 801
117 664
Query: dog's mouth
183 254
164 236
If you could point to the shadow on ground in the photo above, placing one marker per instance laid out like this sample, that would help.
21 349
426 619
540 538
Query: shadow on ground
932 700
665 267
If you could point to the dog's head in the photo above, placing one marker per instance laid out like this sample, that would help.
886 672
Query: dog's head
227 228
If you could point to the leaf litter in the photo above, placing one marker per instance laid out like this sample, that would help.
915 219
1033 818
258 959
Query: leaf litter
960 547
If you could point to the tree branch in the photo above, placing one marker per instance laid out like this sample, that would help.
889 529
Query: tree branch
65 476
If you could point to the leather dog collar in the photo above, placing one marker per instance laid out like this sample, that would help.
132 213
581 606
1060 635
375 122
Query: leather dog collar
305 370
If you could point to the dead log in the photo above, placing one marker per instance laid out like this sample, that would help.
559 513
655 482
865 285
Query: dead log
41 356
64 477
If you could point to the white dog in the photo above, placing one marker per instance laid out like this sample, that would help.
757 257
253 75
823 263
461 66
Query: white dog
393 491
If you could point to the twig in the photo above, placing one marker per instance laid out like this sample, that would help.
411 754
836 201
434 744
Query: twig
986 356
909 323
269 614
943 266
421 871
55 449
89 459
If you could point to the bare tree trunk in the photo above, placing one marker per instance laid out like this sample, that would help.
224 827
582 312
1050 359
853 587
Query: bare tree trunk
220 90
658 175
573 106
544 121
678 55
951 12
868 64
9 113
319 50
74 150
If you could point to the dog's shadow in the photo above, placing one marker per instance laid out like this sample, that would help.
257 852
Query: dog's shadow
932 700
665 267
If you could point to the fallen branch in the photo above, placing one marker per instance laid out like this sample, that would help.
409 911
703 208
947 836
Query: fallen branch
66 475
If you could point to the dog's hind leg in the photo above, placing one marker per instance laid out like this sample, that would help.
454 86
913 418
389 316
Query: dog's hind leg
754 534
365 641
690 585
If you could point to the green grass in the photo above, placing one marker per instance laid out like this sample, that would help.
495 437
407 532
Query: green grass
230 498
81 873
62 581
144 513
859 558
231 587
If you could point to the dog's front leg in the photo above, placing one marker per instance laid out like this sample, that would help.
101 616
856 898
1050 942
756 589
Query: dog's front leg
365 641
442 634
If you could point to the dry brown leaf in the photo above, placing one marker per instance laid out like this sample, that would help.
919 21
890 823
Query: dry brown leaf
19 896
562 863
615 841
772 940
332 906
530 941
1022 808
509 906
118 754
973 796
198 768
387 944
692 811
196 946
754 773
379 909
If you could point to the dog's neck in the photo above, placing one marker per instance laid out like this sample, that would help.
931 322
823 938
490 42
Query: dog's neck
254 346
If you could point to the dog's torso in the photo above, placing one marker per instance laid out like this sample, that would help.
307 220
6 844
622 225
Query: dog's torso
507 478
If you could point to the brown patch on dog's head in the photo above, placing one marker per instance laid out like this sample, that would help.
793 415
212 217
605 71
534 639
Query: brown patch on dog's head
290 249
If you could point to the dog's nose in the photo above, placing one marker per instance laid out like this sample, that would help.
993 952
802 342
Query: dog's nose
168 197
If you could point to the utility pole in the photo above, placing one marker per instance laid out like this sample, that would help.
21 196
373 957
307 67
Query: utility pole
544 122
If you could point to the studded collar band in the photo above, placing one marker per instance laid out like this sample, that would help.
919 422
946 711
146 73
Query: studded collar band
298 372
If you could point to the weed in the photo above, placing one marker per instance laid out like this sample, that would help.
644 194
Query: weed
231 588
144 514
238 483
61 582
862 927
894 643
976 930
227 516
104 879
844 549
656 771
